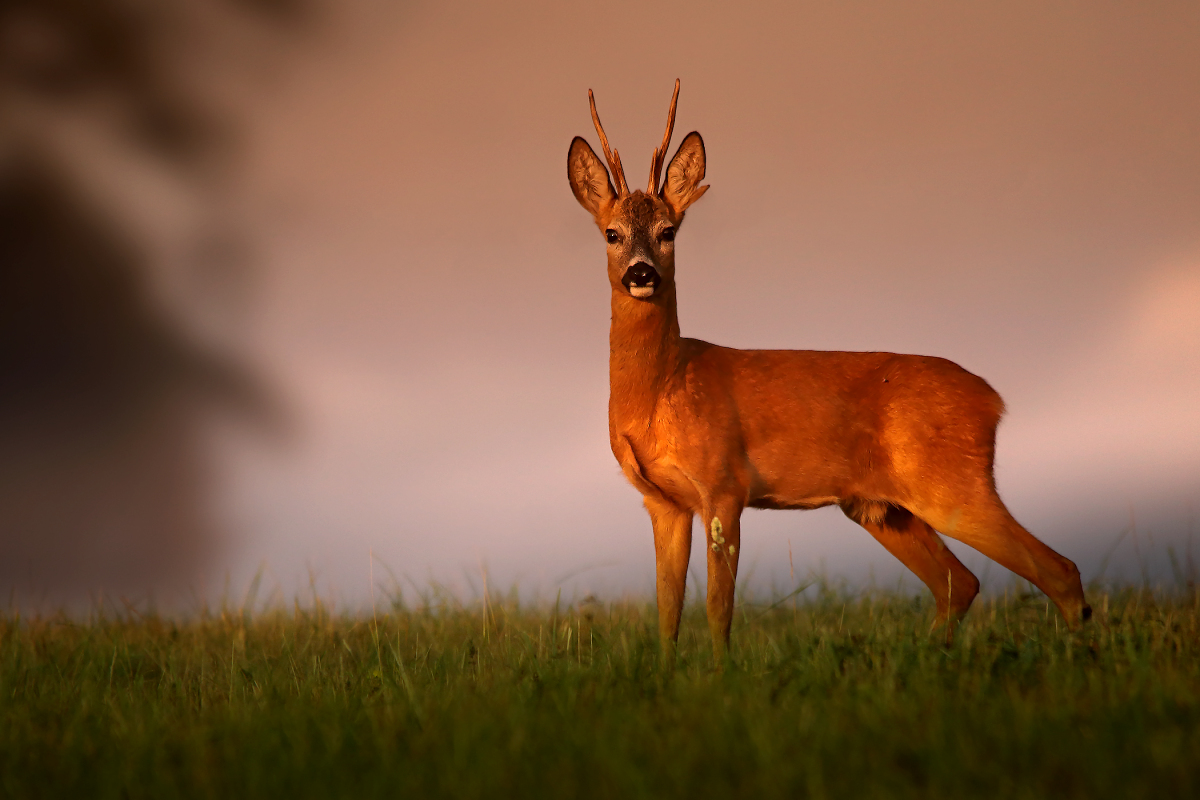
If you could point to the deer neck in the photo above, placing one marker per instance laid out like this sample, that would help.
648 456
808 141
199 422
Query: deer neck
644 352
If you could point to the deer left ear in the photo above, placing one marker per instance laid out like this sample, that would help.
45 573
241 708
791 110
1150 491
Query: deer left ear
682 186
589 179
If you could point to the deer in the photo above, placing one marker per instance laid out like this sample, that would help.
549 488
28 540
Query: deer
904 444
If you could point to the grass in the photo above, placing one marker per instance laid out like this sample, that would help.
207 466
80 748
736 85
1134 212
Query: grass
841 696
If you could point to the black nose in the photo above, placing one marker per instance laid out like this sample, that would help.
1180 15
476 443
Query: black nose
641 274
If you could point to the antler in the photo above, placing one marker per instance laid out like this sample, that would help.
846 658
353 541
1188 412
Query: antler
614 158
660 155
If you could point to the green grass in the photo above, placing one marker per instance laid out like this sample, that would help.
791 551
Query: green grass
837 697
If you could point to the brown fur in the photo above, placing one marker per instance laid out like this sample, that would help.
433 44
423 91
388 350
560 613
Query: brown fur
904 444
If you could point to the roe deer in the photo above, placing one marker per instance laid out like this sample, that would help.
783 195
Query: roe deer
904 444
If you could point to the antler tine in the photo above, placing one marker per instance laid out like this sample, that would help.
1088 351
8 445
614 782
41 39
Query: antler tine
614 160
660 155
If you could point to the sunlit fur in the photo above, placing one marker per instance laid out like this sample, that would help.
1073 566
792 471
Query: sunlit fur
903 443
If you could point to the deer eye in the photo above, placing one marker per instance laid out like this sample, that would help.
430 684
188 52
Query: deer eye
612 236
668 235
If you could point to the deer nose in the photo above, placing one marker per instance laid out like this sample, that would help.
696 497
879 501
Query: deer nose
641 279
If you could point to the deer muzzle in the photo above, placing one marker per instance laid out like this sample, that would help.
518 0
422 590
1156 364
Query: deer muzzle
641 280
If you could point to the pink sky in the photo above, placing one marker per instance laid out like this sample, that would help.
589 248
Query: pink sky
1014 186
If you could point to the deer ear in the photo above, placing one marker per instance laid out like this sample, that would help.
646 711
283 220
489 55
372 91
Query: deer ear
588 177
682 186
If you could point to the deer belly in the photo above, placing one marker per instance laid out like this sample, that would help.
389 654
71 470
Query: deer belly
803 503
803 487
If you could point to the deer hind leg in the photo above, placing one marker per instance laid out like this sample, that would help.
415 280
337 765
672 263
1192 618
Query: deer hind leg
919 548
672 549
986 525
723 543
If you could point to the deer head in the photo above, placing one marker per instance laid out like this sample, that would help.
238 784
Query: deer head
639 226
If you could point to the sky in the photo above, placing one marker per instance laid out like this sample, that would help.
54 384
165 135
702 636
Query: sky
1014 186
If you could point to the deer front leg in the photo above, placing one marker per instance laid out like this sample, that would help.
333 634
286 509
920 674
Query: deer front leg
672 549
723 540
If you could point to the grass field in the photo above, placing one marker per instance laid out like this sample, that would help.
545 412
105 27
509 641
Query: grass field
840 696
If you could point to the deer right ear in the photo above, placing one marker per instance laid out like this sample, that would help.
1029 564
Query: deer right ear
589 179
682 186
